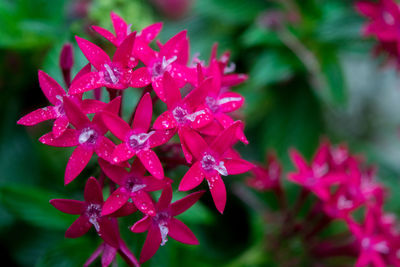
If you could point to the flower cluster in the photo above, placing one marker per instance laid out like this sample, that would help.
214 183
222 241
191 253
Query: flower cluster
345 190
384 23
134 157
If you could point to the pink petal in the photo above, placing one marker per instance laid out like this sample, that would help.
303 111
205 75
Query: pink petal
298 161
237 166
144 111
150 32
144 52
218 192
105 33
115 173
140 78
151 245
51 89
69 206
192 178
94 255
183 74
115 201
85 70
165 198
105 148
165 121
194 142
124 53
93 192
87 82
137 169
116 125
89 106
120 26
202 119
114 105
153 184
107 232
67 139
177 46
59 126
78 228
96 56
75 114
368 9
125 210
77 162
180 232
185 203
233 79
171 91
37 116
230 101
226 139
214 128
128 256
122 153
158 88
161 137
142 225
197 96
108 256
152 163
144 202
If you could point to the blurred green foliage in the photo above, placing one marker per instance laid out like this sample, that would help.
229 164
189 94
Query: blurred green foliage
298 84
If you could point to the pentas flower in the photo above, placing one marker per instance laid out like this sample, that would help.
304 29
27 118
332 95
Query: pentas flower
90 214
88 137
172 59
123 30
55 94
318 176
268 177
211 163
116 73
374 246
385 19
133 185
138 140
164 224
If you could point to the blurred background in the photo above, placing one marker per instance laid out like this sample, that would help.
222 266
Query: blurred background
311 75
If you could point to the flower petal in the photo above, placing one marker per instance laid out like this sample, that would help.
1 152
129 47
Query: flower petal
89 106
226 139
78 228
140 78
180 232
51 89
77 162
233 79
115 173
151 245
185 203
108 256
143 202
161 137
120 26
230 101
125 210
124 53
165 121
298 161
177 46
69 206
37 116
107 232
122 153
116 125
96 56
105 33
193 177
194 142
85 70
93 192
141 225
218 192
115 201
165 198
87 82
144 112
152 163
59 126
237 166
67 139
150 32
75 114
171 91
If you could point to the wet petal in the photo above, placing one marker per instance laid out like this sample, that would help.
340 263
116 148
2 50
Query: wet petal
37 116
237 166
105 33
78 228
194 142
75 114
161 137
122 153
193 177
171 91
93 192
218 192
60 125
177 46
226 139
140 78
116 125
204 117
151 245
165 121
107 232
85 70
89 106
143 114
120 26
150 32
125 210
185 203
115 173
87 82
69 206
96 56
230 101
180 232
51 89
142 225
115 201
152 163
67 139
165 198
143 202
77 162
197 96
144 52
158 88
124 53
233 79
108 256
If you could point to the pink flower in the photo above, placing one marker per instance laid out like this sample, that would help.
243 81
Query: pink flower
88 136
90 214
55 94
133 185
212 162
138 140
115 73
266 178
172 59
164 224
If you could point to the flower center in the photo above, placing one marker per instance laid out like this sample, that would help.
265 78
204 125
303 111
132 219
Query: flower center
140 141
88 136
93 211
112 74
161 219
212 103
210 164
134 185
159 67
182 116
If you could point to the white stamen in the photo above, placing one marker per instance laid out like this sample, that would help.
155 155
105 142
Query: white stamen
229 69
193 116
382 247
165 63
110 72
228 99
164 232
344 203
221 169
141 138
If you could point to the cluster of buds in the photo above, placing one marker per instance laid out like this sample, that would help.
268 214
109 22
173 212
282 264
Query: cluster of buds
343 189
134 156
384 23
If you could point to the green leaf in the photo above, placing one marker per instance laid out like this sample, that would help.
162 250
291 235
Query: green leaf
32 205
